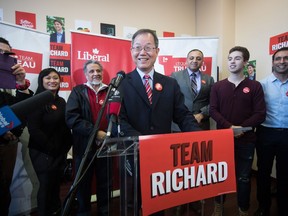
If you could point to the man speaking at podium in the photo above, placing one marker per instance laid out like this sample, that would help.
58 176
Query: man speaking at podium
150 100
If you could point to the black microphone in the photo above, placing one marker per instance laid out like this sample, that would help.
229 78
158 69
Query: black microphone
27 106
113 110
9 115
118 79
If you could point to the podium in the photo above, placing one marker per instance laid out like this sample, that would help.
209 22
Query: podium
123 153
184 168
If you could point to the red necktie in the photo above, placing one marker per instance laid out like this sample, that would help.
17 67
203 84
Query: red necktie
148 88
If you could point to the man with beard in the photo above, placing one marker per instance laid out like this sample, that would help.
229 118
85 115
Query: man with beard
83 106
198 101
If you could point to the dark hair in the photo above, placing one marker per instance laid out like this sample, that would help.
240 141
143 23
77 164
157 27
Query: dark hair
146 31
250 64
42 74
3 40
91 62
59 21
243 50
195 50
281 49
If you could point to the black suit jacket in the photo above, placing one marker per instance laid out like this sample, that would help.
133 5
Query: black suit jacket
200 103
138 117
53 37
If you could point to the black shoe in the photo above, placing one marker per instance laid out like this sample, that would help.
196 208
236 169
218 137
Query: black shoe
262 212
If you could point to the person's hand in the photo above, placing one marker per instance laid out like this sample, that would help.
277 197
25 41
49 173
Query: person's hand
237 133
9 136
20 74
199 117
101 135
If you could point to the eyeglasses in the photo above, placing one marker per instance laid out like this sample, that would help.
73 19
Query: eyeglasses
6 52
146 48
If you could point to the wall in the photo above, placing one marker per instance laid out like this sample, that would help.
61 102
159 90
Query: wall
157 15
255 22
242 22
235 22
217 18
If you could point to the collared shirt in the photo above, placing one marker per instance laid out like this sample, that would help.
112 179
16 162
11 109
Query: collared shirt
198 78
101 86
151 73
276 97
59 37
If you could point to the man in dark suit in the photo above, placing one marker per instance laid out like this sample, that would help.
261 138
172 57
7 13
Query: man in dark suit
59 35
141 116
197 103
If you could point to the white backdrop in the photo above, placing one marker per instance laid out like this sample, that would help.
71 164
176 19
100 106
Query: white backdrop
25 184
178 47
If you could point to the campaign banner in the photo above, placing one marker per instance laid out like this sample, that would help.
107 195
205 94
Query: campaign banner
32 49
60 60
180 168
173 53
30 61
277 42
112 52
25 19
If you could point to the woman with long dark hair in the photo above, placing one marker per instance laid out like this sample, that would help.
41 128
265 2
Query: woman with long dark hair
49 142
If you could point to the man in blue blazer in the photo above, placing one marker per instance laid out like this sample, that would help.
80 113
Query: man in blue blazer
139 116
59 35
198 103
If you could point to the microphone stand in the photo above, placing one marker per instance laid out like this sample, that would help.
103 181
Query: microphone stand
79 175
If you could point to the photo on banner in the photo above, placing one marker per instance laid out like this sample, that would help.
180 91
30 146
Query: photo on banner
250 70
56 28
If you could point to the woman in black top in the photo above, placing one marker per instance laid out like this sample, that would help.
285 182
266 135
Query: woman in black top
49 142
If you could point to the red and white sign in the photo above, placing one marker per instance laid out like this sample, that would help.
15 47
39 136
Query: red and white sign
277 42
113 53
172 64
25 19
60 55
173 53
30 61
32 49
175 169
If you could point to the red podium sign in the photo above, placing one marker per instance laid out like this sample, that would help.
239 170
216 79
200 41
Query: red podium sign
180 168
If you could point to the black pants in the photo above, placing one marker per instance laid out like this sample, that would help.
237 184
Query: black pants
272 143
8 154
49 172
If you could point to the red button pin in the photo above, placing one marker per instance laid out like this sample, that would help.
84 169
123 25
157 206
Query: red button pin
158 87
